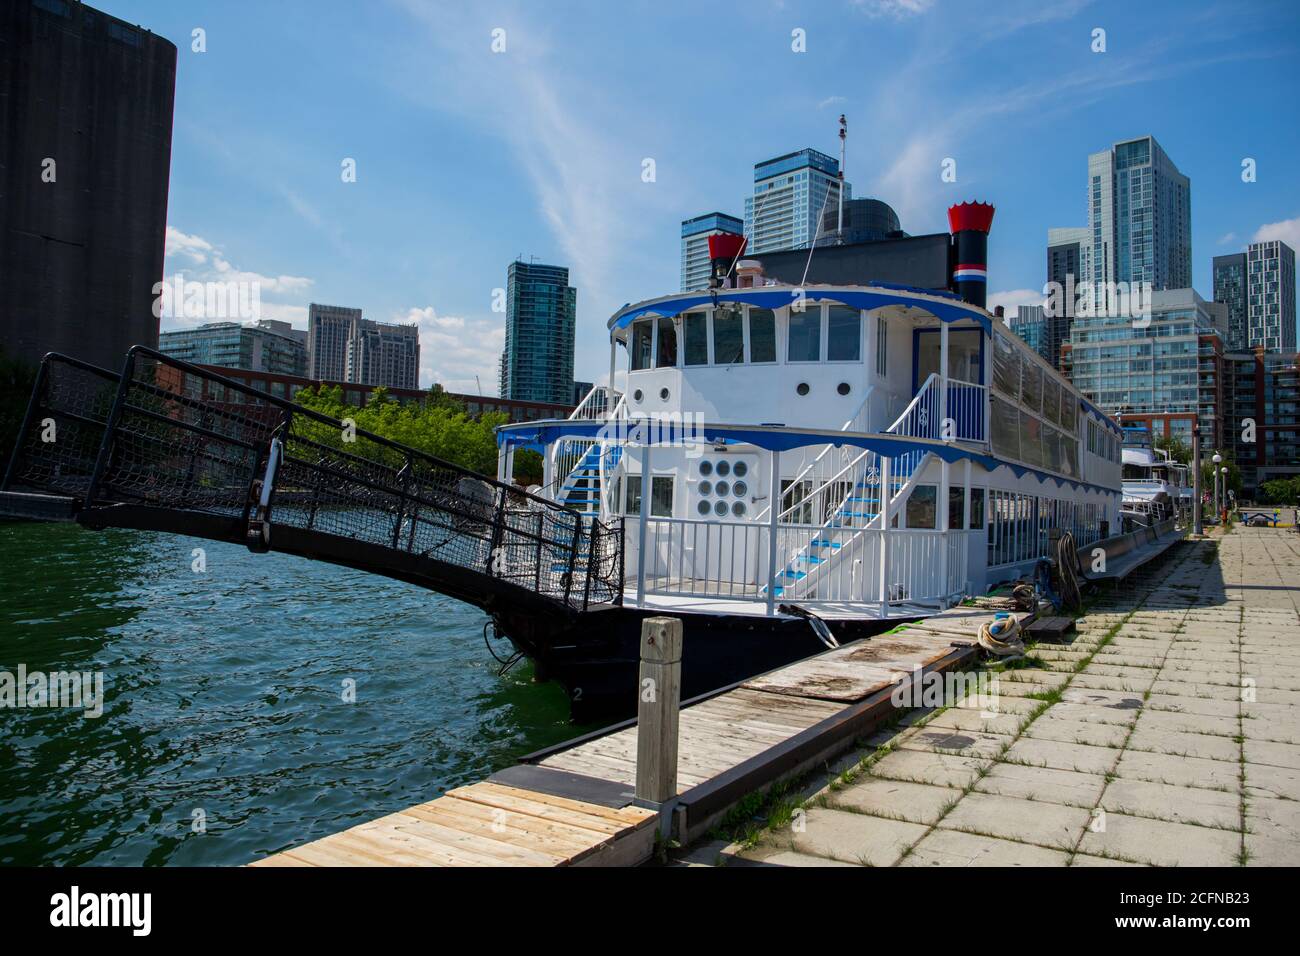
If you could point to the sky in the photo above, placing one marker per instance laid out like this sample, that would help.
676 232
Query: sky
468 157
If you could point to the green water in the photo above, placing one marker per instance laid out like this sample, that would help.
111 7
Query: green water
224 695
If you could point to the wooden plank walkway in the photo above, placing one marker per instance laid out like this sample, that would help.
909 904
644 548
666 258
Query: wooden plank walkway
572 804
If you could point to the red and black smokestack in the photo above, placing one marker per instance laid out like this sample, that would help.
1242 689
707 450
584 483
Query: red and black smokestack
969 223
724 249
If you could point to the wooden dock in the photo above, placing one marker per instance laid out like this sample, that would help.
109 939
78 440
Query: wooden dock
572 804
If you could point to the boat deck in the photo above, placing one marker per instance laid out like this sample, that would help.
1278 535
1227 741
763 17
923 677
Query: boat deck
684 603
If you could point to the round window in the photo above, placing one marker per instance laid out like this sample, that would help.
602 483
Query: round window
739 489
842 388
703 508
637 396
720 509
724 468
802 388
706 487
706 468
663 393
738 509
740 470
722 488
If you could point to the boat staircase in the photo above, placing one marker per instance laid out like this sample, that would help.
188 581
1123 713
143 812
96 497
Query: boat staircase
169 446
847 502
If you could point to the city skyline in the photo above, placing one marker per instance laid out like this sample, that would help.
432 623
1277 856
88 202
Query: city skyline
422 82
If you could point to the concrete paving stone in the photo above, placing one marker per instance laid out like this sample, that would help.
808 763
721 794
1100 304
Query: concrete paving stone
1206 707
1128 659
1067 787
1230 678
994 702
956 718
1083 859
1098 680
1032 675
1272 754
855 837
955 848
1179 804
1062 756
1052 825
1269 851
1175 722
1179 771
1273 832
1200 691
1184 744
1051 727
966 743
1020 689
920 766
1275 695
1265 780
1271 729
1272 681
1094 715
778 856
1187 654
895 799
1100 697
1164 844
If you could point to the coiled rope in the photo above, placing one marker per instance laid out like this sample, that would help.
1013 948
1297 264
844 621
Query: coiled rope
1001 638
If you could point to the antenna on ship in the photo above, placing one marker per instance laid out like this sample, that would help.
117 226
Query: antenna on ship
844 135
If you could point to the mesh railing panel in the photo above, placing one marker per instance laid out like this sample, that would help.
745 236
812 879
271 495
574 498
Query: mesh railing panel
187 439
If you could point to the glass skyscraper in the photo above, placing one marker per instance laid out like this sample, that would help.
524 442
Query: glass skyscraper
1258 287
695 245
790 194
231 345
541 311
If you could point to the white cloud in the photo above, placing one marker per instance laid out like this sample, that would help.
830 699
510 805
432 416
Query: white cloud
454 349
894 9
831 101
196 259
1227 238
1288 230
1014 297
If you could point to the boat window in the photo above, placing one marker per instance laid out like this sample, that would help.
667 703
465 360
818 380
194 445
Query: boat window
956 505
762 335
666 356
1006 366
1052 459
661 500
977 507
695 329
922 507
641 338
1031 437
1005 429
805 335
795 493
1031 386
843 334
632 505
728 335
1051 400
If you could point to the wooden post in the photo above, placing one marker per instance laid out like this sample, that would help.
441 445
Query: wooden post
658 697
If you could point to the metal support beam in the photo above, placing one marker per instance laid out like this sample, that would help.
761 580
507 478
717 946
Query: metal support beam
774 514
643 530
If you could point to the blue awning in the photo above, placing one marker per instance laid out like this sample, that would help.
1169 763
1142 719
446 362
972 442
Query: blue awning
539 435
953 311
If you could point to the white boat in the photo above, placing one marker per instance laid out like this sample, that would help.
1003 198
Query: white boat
821 460
1155 487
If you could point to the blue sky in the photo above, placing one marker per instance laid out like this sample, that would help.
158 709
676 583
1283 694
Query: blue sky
468 158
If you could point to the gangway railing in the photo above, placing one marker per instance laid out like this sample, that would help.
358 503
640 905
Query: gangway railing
170 446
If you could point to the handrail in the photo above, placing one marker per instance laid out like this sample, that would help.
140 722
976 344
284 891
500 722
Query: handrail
607 398
916 399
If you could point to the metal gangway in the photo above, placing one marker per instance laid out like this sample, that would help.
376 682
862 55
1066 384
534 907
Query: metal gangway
169 446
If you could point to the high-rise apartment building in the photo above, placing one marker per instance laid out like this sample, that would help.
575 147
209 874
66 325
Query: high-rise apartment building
86 104
541 312
1262 417
1069 257
1230 281
1030 323
328 329
791 193
382 354
1166 371
253 347
695 245
1258 288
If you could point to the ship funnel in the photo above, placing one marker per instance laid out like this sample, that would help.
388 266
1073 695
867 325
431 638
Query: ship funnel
724 249
969 223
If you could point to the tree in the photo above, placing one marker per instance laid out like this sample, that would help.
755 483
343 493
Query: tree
1178 449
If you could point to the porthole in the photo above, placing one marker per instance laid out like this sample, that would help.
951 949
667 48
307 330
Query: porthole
637 395
740 469
703 508
663 394
706 468
720 509
802 388
738 509
722 488
739 489
842 388
706 487
724 468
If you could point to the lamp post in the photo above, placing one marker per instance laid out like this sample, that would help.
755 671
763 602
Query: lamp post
1216 459
1224 484
1196 478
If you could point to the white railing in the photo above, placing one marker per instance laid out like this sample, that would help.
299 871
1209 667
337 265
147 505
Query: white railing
595 405
701 558
966 407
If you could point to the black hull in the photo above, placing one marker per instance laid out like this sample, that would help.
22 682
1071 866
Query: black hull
596 656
